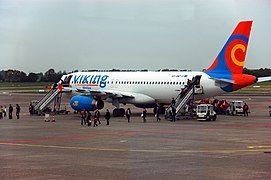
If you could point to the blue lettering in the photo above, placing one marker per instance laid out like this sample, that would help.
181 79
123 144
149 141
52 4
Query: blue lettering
75 78
91 79
81 79
103 81
97 78
85 80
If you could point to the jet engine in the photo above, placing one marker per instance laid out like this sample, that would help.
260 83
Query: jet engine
87 103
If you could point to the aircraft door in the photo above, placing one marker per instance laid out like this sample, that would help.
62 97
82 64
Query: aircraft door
67 80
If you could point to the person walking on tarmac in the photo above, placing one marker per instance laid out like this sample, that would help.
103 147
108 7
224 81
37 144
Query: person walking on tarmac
95 119
30 109
18 110
158 114
83 117
245 109
97 115
89 118
1 112
144 115
5 111
10 111
128 114
107 116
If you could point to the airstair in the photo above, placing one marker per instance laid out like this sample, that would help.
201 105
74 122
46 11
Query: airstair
185 98
47 99
182 100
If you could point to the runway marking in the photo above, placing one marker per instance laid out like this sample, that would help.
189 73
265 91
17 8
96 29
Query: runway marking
259 147
226 151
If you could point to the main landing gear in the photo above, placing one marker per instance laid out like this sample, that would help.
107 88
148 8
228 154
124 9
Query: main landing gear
118 112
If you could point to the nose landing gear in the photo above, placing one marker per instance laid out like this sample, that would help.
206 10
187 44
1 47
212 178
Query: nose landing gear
118 112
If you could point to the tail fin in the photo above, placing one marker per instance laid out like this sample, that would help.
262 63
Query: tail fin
231 58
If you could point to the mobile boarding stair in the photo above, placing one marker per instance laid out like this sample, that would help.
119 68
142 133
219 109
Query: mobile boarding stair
53 94
185 99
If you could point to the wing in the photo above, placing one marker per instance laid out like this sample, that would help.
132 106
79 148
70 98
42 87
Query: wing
109 93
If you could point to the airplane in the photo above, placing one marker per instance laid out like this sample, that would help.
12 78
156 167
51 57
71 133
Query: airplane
89 90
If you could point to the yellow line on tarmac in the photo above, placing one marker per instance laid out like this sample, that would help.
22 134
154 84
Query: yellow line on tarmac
259 147
225 151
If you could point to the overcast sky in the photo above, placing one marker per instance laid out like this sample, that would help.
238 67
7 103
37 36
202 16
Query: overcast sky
36 35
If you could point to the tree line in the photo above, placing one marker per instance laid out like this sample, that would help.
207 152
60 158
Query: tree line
52 76
20 76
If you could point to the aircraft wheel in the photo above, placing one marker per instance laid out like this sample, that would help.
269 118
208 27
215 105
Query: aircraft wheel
162 110
121 112
115 113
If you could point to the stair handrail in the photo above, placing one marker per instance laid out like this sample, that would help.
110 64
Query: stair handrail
49 99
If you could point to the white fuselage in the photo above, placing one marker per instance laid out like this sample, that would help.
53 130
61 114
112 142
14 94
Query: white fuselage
146 87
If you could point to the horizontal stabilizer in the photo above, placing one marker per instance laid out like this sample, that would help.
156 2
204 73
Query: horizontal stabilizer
263 79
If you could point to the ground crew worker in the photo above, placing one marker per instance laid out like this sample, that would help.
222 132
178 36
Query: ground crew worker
10 110
128 114
18 110
107 116
245 109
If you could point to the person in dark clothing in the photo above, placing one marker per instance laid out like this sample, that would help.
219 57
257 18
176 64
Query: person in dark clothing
144 115
83 117
55 86
128 114
97 115
5 111
10 111
18 109
89 118
158 114
1 112
30 109
95 119
173 102
174 114
245 109
107 116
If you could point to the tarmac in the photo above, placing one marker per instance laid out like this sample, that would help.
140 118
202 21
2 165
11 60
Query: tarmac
233 147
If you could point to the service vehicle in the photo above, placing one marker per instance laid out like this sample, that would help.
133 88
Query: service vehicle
236 108
205 112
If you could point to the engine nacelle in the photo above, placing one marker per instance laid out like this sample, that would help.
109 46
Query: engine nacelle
87 103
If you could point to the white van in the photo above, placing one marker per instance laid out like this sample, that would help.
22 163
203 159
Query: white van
205 112
236 108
